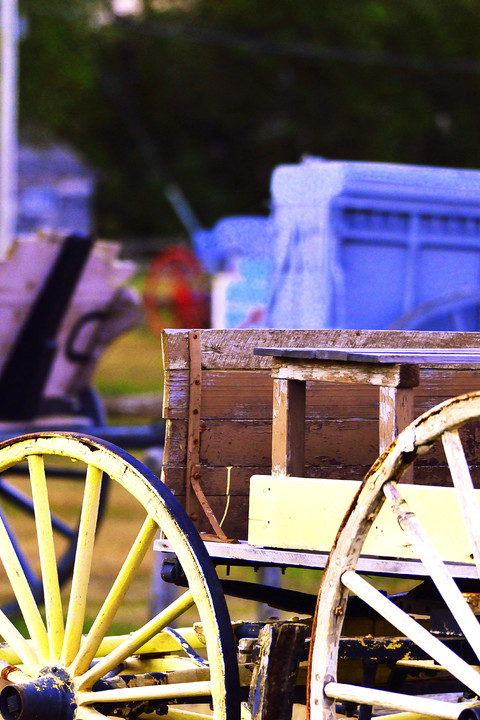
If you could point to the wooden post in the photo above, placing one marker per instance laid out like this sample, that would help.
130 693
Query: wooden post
273 681
395 413
288 428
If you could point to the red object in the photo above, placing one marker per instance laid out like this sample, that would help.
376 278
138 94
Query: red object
177 291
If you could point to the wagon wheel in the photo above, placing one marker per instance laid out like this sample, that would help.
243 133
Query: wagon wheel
329 685
459 311
64 670
176 291
17 513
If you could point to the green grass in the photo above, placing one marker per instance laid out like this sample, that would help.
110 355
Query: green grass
132 364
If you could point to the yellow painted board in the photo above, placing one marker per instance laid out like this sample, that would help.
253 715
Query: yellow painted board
305 514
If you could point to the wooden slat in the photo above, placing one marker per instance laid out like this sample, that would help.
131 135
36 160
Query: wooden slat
214 479
305 514
233 349
330 442
249 390
248 394
395 411
346 372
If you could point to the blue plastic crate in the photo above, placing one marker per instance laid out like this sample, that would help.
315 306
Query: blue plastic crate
372 245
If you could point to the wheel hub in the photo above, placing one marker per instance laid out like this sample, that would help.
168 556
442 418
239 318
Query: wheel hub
49 696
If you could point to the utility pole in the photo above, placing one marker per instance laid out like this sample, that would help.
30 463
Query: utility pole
8 123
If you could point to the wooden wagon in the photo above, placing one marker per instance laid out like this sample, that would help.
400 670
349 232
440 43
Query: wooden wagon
361 648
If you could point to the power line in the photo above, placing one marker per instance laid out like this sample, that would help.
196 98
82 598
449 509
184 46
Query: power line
272 46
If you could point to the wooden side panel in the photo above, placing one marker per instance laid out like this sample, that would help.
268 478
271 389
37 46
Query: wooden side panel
341 430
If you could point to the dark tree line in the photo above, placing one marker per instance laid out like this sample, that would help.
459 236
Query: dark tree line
213 94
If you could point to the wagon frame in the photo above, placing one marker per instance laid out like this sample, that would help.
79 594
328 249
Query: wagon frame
218 429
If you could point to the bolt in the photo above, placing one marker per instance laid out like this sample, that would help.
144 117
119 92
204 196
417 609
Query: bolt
338 610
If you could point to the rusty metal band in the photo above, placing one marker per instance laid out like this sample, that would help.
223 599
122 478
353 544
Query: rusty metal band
7 670
193 437
194 406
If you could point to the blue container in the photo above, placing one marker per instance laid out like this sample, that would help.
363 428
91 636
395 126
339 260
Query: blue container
372 245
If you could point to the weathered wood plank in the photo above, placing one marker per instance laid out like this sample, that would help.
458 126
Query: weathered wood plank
233 349
235 523
305 514
248 394
329 442
214 480
272 687
249 442
346 372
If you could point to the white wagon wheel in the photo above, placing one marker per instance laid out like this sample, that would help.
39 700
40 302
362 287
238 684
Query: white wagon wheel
326 692
60 669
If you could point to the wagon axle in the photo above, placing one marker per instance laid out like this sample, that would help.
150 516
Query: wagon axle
50 695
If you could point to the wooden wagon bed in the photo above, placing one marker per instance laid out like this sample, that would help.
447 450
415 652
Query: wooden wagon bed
218 407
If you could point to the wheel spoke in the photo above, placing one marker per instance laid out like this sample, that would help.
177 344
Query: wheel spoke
137 639
89 713
48 560
181 714
83 564
395 701
429 556
22 558
24 502
113 600
23 595
413 630
15 639
147 692
462 481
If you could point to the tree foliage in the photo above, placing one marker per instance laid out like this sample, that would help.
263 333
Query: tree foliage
213 95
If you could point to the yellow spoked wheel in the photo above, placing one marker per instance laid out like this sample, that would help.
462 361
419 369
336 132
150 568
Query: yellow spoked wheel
426 650
64 664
